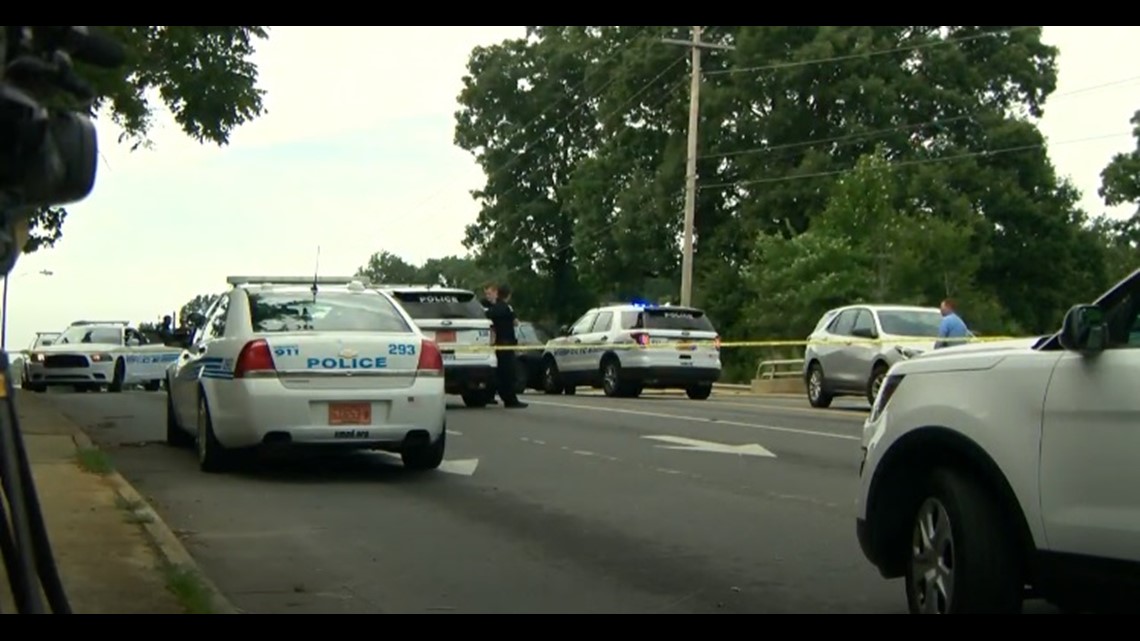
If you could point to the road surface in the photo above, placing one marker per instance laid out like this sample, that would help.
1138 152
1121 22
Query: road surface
579 504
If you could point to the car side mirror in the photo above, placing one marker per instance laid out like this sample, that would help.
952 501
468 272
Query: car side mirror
1084 329
564 330
861 332
196 319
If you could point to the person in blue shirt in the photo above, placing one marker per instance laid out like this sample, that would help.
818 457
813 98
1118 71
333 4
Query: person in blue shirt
952 326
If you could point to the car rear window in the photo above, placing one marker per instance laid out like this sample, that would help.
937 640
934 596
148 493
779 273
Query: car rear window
691 320
451 305
916 323
325 312
80 334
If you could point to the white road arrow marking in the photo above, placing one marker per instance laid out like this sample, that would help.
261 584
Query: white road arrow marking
462 467
693 445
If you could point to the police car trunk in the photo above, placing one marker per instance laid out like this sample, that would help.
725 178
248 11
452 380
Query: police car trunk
683 348
458 324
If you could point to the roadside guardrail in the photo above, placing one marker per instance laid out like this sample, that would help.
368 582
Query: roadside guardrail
783 376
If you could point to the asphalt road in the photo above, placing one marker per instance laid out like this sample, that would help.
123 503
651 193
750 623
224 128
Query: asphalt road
578 504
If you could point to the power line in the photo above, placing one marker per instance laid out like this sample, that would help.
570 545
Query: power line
904 127
910 163
869 54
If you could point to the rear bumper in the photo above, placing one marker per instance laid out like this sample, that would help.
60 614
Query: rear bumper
459 379
672 376
255 412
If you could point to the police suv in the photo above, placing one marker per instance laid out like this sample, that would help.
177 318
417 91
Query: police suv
313 362
458 324
91 354
625 348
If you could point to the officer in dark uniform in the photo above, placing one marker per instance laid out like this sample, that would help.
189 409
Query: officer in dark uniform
503 322
489 294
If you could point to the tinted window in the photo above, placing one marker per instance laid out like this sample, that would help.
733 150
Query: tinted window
843 323
692 320
441 304
919 323
326 312
528 333
92 334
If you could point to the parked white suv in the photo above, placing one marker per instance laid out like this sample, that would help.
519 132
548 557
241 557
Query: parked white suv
994 475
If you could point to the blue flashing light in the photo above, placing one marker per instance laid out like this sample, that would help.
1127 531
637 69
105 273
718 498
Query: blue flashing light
641 302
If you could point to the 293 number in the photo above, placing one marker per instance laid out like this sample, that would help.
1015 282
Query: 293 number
401 350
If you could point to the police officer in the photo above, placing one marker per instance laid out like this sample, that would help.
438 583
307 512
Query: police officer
489 293
503 323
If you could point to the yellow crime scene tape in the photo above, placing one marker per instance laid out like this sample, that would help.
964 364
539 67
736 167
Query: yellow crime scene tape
679 345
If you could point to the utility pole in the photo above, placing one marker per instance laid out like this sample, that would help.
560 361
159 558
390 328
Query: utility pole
695 45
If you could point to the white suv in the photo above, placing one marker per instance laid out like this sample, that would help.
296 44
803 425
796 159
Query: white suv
626 348
994 475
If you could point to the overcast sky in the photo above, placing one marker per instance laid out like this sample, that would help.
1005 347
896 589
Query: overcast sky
355 154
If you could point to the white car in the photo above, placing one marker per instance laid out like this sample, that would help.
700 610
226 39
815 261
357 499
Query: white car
459 325
994 475
292 361
42 339
625 348
91 354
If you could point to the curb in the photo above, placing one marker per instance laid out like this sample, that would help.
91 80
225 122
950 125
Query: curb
158 533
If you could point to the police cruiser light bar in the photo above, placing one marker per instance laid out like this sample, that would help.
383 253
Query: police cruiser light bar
291 280
403 286
87 322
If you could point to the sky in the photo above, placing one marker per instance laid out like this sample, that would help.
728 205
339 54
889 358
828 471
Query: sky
355 155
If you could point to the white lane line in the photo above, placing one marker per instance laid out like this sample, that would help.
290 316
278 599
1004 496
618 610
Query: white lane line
455 432
701 419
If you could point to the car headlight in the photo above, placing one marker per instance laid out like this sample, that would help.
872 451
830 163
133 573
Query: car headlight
37 358
908 352
100 358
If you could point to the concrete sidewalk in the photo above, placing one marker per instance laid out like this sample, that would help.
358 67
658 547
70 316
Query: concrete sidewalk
101 531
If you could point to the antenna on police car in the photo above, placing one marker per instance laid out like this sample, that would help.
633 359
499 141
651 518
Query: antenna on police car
316 273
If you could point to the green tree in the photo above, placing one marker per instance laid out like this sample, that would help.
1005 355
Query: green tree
386 267
200 304
203 75
1120 185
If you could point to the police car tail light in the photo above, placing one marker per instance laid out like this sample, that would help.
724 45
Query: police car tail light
431 360
716 343
254 357
641 338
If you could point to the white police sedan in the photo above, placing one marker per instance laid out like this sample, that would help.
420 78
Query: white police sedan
321 362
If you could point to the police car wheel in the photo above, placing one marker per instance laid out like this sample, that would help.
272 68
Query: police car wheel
212 455
550 379
118 377
478 398
426 457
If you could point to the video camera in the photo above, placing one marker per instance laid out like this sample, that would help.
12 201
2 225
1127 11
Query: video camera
48 145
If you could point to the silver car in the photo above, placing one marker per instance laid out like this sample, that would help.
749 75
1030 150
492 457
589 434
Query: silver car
852 348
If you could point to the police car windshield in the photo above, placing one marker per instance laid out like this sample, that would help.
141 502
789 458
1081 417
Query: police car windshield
326 312
450 305
44 340
89 334
689 320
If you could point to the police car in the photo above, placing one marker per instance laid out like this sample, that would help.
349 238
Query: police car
91 354
459 325
307 362
627 347
42 339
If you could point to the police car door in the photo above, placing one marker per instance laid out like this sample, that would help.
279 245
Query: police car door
569 354
597 340
200 361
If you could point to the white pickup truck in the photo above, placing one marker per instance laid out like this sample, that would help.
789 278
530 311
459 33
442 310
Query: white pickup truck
89 355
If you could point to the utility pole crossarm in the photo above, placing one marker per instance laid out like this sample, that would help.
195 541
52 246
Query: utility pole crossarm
695 45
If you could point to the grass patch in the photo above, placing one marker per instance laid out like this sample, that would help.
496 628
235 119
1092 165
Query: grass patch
94 461
187 587
137 512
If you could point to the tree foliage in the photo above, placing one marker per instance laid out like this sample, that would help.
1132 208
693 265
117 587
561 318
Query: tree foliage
876 163
1120 185
203 74
449 271
200 304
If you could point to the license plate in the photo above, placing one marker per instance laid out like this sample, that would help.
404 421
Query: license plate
350 413
686 363
446 336
449 356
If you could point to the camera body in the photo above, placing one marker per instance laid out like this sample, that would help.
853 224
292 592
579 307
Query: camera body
48 155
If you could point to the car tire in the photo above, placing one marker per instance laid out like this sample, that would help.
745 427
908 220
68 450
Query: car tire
961 555
522 377
878 375
816 391
551 381
612 383
153 386
427 457
118 377
212 455
175 435
699 392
